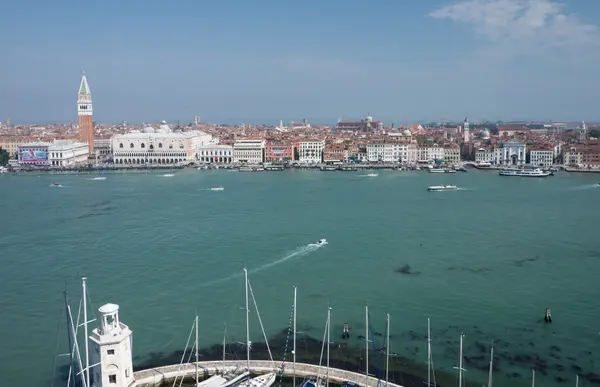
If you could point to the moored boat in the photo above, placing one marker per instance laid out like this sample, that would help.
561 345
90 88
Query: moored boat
536 172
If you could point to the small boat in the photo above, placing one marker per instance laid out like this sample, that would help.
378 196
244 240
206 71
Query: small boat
99 178
55 185
442 188
437 170
168 175
321 242
449 171
217 189
313 383
373 175
265 380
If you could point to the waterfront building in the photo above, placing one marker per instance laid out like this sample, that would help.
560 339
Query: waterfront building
513 153
111 351
34 154
583 155
249 151
363 125
102 149
541 157
452 154
430 153
85 127
280 151
311 151
485 155
387 152
67 152
333 153
214 153
158 146
412 153
11 144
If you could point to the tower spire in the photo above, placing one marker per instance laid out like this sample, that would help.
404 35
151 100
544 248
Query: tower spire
84 88
84 112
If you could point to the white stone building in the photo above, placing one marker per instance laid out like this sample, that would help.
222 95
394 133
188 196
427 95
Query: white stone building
451 154
387 153
430 153
485 155
158 146
513 153
311 151
213 153
67 152
541 157
249 151
110 350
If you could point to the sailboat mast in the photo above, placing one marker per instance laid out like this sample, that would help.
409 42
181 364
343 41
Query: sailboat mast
387 351
532 378
460 361
196 350
328 341
71 371
224 343
247 323
428 352
366 345
491 365
85 332
576 380
294 346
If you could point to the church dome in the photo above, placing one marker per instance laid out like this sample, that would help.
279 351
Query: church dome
148 129
485 134
407 133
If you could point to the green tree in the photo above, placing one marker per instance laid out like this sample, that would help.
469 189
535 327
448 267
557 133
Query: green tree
4 157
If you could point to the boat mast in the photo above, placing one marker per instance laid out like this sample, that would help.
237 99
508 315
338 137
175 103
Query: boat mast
294 346
387 351
224 341
328 341
428 352
70 341
460 362
247 323
532 378
85 332
576 380
366 345
196 349
491 365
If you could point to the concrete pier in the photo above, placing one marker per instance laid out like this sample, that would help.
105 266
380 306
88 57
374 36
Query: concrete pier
157 376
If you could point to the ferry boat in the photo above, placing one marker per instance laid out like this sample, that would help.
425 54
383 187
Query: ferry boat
536 172
442 188
437 170
449 171
217 188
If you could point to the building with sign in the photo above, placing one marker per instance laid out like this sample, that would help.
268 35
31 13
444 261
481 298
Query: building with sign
34 154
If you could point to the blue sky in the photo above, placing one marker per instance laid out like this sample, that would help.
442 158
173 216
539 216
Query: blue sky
252 61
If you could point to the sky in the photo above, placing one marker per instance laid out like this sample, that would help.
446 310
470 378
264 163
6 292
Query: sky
259 61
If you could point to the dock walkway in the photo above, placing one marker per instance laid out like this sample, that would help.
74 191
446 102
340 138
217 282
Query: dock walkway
157 376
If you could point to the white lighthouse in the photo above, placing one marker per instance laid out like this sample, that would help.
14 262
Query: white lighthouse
111 350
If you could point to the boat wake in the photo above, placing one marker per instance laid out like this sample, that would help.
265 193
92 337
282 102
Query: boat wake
299 252
586 186
369 175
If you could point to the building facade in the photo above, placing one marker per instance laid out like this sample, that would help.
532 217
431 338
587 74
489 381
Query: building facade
213 153
11 144
64 153
333 153
158 147
102 148
485 155
430 153
387 153
85 127
249 151
452 154
585 155
278 151
513 153
541 157
311 151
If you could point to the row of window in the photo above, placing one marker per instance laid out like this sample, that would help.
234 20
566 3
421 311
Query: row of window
131 146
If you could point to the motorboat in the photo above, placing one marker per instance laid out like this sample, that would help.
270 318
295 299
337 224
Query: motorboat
168 175
55 185
217 188
437 170
99 178
373 175
449 171
442 188
321 242
536 172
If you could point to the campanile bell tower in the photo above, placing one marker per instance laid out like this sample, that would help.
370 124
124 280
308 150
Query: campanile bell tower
85 129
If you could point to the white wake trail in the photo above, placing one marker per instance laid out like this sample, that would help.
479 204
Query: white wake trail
299 252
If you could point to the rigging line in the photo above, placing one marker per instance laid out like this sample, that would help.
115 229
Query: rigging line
56 352
185 350
261 324
287 339
378 371
188 360
322 351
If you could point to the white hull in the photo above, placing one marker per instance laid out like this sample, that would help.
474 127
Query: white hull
525 173
266 380
435 188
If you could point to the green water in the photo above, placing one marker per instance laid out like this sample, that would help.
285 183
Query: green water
486 260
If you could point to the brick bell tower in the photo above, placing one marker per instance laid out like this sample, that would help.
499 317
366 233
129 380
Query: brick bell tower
85 128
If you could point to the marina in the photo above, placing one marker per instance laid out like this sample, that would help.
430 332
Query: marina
122 222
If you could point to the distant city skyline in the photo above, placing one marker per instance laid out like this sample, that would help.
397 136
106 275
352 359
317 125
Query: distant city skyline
509 60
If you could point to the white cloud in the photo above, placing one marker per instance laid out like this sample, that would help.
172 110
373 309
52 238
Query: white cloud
523 25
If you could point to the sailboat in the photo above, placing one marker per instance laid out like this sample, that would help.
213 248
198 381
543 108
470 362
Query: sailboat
319 382
430 367
265 380
491 365
460 363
